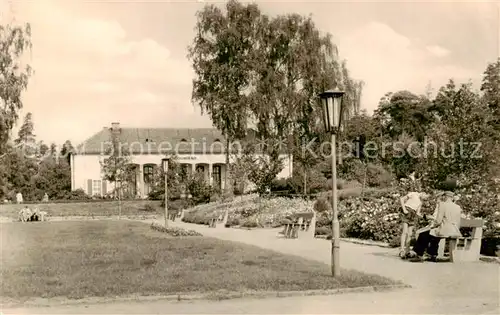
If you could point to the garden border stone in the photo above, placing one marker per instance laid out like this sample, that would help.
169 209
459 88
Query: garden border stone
219 295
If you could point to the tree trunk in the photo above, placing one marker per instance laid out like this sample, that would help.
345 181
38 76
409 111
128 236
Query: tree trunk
119 200
305 182
226 173
364 179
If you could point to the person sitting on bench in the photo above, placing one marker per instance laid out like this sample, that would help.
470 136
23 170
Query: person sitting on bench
445 223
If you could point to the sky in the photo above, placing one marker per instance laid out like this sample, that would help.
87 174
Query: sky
98 62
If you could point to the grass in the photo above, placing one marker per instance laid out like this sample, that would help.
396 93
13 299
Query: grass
122 258
96 208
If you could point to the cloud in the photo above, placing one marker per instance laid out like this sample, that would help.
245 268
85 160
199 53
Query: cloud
388 61
438 51
90 72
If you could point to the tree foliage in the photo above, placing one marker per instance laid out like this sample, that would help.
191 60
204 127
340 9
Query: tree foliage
221 54
32 168
265 73
26 139
115 165
14 42
175 181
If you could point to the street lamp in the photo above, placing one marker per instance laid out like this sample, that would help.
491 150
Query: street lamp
165 170
119 188
331 102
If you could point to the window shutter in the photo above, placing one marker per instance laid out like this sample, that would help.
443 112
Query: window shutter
104 188
89 187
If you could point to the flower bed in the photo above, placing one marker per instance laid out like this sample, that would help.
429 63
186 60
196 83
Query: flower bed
375 216
251 211
174 231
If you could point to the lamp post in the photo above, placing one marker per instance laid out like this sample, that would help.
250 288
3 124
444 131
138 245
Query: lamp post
119 188
165 170
332 106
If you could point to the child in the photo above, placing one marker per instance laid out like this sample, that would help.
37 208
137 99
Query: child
411 206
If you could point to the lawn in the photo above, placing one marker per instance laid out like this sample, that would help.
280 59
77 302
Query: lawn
122 258
92 208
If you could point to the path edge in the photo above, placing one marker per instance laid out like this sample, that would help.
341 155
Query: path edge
211 296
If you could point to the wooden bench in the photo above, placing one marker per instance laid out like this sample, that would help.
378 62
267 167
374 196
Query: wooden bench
467 248
172 215
212 223
299 222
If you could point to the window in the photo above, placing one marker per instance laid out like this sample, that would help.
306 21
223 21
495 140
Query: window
183 140
217 176
200 169
148 173
96 188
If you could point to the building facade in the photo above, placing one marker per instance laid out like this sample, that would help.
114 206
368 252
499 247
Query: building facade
196 150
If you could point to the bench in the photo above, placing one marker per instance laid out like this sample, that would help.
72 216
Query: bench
467 248
172 215
212 223
299 222
464 248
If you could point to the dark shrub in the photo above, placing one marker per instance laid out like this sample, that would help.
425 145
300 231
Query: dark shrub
233 221
199 189
315 180
323 231
78 194
490 246
149 208
322 220
249 223
378 176
179 204
282 185
340 184
322 205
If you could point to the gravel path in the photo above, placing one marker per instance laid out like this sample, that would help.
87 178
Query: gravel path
447 278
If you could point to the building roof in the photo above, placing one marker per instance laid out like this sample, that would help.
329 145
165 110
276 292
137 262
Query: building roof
168 141
157 141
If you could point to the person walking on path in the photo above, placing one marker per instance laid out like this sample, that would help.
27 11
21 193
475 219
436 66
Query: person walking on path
19 198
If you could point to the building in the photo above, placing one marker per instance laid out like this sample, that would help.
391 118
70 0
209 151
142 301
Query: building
197 150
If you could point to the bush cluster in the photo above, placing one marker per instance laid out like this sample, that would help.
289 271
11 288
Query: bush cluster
249 210
376 215
373 215
365 218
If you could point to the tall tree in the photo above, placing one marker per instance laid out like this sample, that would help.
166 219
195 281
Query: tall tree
43 150
491 91
465 136
66 149
14 42
115 167
221 56
295 63
53 150
26 137
52 178
404 113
